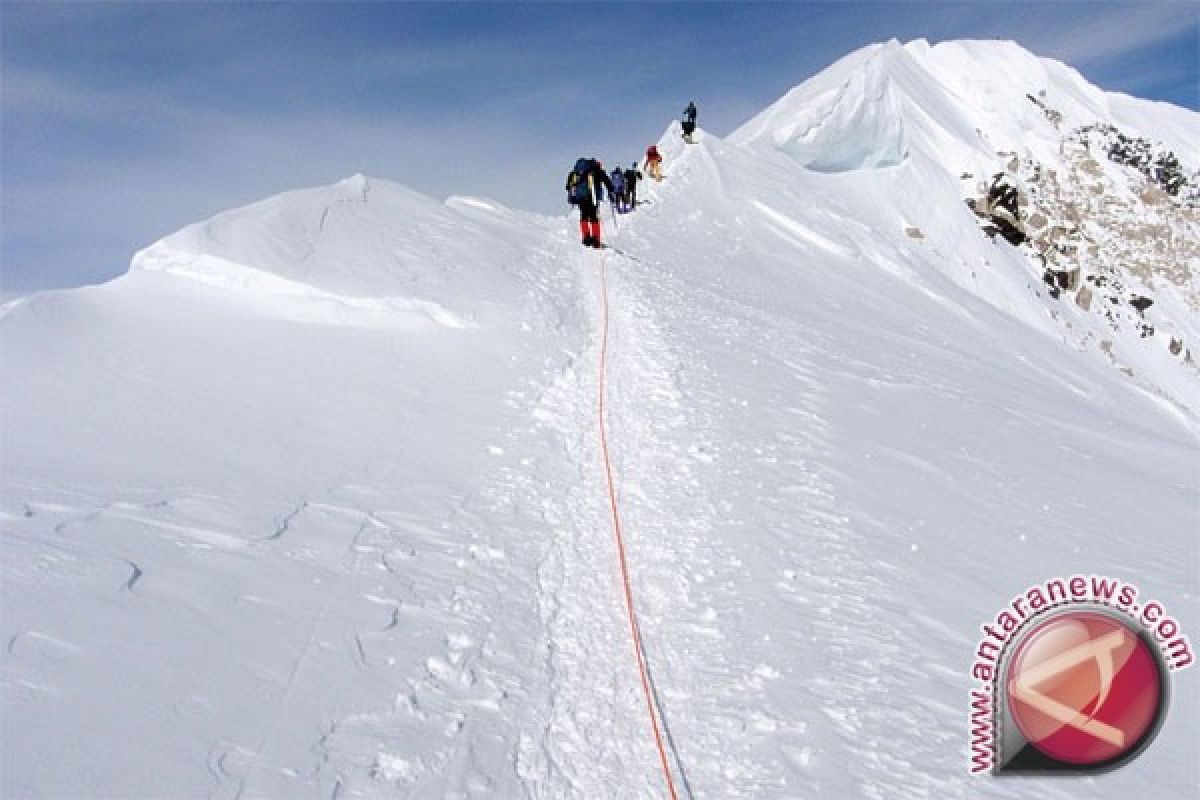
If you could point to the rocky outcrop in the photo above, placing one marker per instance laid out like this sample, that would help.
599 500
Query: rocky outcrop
1114 221
1159 165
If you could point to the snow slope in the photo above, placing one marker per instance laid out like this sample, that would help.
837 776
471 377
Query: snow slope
310 502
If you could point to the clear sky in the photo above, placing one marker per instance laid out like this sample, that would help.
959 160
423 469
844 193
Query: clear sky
123 122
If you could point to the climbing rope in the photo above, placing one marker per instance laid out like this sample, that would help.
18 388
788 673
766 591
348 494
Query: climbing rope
634 627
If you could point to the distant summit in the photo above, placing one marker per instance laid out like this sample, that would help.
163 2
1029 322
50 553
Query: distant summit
1103 188
886 100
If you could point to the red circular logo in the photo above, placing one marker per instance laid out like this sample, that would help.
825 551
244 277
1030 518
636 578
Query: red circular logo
1084 688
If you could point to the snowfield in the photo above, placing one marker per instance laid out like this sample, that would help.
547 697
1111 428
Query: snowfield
310 503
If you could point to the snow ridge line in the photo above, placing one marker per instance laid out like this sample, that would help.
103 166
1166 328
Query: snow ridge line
634 628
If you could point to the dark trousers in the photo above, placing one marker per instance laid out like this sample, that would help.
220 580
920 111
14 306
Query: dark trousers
589 220
588 211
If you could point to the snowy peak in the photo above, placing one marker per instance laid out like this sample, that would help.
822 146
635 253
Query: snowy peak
872 109
1104 191
878 105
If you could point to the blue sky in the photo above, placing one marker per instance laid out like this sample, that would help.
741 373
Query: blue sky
124 122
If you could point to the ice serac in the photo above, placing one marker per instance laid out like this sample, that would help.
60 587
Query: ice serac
810 123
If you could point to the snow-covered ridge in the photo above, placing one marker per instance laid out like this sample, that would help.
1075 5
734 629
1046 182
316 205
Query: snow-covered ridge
8 305
277 296
360 252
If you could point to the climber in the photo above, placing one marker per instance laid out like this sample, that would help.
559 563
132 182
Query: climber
632 176
619 196
653 164
689 122
585 188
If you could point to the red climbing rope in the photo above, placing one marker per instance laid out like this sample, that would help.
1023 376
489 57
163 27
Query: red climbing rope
639 653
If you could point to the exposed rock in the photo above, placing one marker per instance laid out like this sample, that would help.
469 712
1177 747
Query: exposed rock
1062 279
1072 278
1090 166
1000 208
1083 298
1141 303
1157 163
1005 229
1153 195
1072 212
1053 115
1121 208
914 232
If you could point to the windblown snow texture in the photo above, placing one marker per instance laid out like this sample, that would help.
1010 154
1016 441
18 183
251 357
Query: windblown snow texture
310 503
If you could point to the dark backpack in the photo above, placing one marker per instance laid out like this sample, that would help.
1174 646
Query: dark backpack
577 185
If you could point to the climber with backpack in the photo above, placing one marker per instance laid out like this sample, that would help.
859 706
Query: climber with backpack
653 165
619 197
632 176
585 188
689 122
